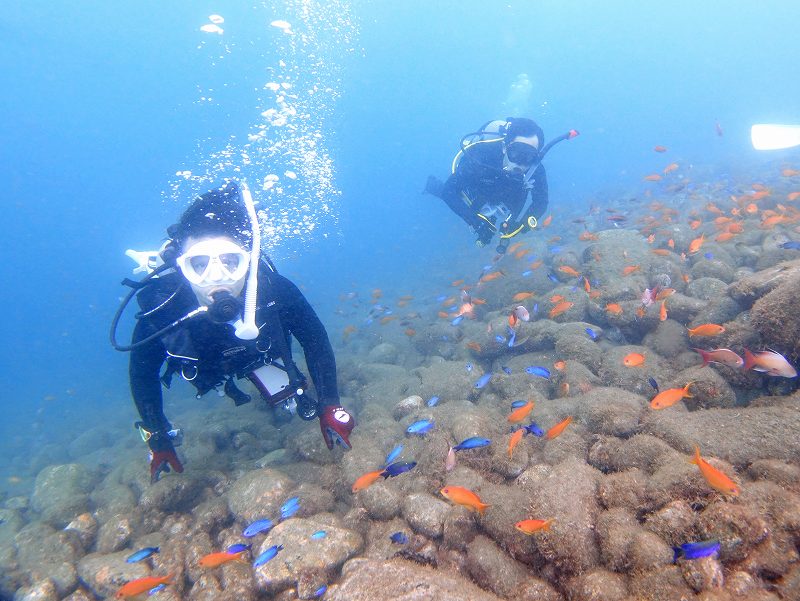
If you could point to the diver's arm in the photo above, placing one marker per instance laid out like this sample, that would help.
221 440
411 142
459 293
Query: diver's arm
143 370
299 318
539 194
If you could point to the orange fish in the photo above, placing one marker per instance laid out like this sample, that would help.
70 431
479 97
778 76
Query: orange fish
457 283
560 365
406 297
662 312
514 440
556 298
587 286
790 172
563 389
595 294
491 276
141 585
724 237
695 224
633 360
536 264
560 308
450 300
793 196
651 238
554 239
569 271
751 209
631 269
655 177
558 428
670 168
443 314
410 332
696 244
735 228
665 293
464 497
671 243
531 526
641 311
614 308
514 247
474 346
366 480
547 221
522 253
520 413
586 236
667 398
387 319
707 329
716 478
661 252
347 331
214 560
521 296
660 149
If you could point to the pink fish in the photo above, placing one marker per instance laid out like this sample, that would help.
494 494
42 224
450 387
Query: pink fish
649 296
521 313
721 355
769 362
450 462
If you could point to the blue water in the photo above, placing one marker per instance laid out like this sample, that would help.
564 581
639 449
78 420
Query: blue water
102 105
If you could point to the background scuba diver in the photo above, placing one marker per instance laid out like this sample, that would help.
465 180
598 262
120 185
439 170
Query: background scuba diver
195 328
497 181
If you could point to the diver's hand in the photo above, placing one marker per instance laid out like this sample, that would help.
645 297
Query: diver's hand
162 456
336 424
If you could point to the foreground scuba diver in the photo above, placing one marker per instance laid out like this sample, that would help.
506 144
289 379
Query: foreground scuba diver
497 181
212 318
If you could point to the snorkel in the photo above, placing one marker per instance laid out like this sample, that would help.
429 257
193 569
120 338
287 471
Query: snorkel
246 329
528 178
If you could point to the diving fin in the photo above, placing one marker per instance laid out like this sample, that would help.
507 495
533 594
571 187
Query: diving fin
434 186
774 137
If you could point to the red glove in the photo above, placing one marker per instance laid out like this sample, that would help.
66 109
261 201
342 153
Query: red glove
336 424
162 456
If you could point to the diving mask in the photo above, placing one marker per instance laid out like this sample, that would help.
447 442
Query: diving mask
522 154
214 262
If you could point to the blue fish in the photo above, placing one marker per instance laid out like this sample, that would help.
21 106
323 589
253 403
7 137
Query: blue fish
506 370
653 383
394 454
512 336
474 442
397 468
483 380
453 308
267 555
468 367
421 427
257 527
518 404
534 429
555 249
525 274
792 245
457 320
368 321
289 508
537 370
704 548
709 256
592 334
399 538
552 277
321 590
156 589
433 401
237 548
440 298
141 554
535 308
319 534
499 339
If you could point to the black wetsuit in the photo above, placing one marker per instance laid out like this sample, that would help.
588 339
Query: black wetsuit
209 353
479 180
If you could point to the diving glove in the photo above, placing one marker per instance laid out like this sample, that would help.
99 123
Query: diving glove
162 454
336 424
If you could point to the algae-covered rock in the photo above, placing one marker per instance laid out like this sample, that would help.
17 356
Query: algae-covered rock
258 494
61 492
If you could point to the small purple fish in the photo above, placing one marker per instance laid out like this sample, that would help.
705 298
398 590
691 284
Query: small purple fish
396 469
483 380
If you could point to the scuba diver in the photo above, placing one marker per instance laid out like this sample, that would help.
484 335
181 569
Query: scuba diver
214 311
497 181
